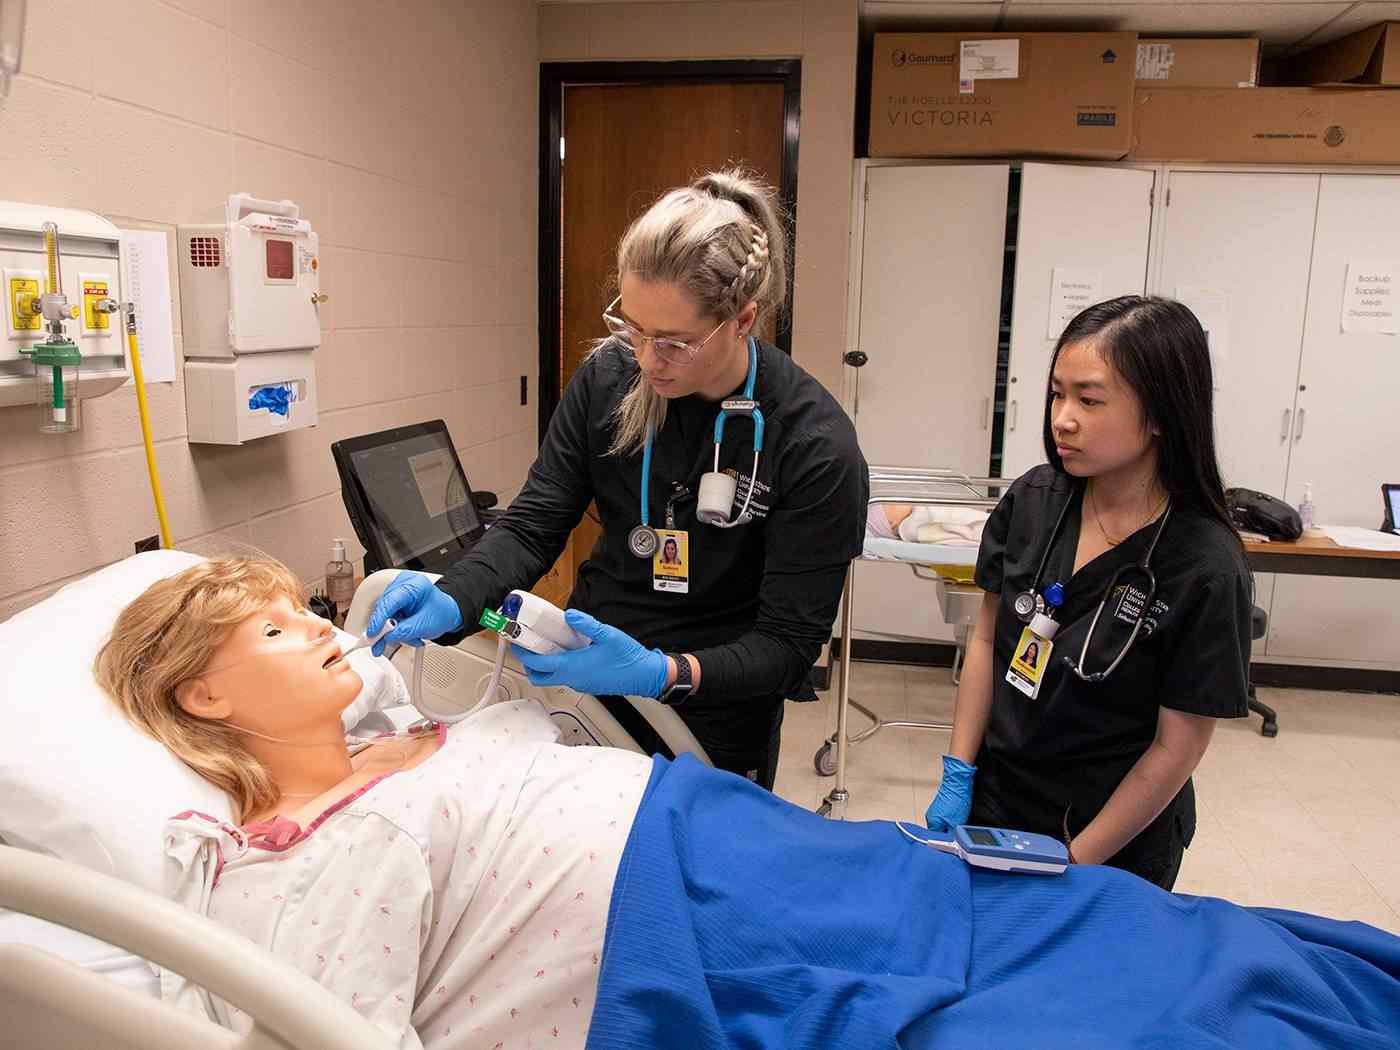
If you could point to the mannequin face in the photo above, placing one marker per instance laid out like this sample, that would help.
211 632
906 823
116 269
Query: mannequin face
275 673
659 308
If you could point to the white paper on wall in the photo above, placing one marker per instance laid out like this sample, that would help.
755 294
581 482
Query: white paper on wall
1072 289
146 282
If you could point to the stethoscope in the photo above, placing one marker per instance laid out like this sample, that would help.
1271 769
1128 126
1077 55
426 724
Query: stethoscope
716 497
1031 603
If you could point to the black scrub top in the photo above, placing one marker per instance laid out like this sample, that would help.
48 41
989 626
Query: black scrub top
1061 756
762 596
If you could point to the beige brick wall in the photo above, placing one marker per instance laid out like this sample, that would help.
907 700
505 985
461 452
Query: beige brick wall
823 33
407 132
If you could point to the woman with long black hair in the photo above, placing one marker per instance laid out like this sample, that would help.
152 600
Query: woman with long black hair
1118 560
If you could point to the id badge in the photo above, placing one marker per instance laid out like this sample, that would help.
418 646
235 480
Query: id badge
1029 661
670 565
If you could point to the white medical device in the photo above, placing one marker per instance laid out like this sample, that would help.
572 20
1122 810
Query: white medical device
1000 849
250 298
535 624
86 273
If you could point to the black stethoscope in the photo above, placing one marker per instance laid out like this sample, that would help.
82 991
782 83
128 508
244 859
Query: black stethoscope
715 500
1031 602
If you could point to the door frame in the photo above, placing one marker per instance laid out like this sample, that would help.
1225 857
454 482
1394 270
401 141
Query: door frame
554 76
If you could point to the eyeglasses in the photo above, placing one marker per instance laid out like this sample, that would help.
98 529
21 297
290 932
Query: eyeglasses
672 351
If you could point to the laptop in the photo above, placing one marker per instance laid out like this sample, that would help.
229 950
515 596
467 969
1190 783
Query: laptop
1390 497
408 497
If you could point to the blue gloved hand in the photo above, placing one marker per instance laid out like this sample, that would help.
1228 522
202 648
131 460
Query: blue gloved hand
614 665
953 803
422 612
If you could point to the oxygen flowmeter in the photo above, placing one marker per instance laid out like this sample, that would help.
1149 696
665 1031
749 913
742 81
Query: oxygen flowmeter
60 272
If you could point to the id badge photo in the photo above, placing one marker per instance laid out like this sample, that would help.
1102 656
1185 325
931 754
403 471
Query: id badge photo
1029 662
670 565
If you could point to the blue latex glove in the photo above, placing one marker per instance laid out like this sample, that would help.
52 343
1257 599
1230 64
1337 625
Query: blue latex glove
422 612
953 803
614 665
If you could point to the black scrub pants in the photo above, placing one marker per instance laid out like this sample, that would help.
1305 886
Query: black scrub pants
1155 855
740 740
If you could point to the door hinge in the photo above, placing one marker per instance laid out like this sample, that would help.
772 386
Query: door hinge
1169 196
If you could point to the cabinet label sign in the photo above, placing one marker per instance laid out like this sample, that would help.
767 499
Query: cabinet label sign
1369 301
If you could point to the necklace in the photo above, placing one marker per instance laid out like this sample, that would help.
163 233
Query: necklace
1094 509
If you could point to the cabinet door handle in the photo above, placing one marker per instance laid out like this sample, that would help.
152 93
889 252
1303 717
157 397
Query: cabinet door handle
986 412
1015 414
1298 430
1287 417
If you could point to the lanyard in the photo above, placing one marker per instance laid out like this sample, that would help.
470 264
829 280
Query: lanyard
746 404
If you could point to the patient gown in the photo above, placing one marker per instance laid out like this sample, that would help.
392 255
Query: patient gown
740 921
459 904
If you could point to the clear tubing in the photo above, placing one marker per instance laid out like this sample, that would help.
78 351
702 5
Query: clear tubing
275 647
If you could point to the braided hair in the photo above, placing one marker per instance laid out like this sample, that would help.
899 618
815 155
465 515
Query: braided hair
723 240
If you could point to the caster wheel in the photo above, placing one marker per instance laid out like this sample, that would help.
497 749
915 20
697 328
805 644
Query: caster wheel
1269 729
824 761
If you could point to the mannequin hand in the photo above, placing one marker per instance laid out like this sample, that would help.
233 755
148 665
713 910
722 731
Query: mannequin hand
614 665
422 612
953 803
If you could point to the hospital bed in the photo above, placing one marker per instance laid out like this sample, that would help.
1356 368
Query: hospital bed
948 567
84 931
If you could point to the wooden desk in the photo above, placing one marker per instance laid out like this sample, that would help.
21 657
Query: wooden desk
1307 556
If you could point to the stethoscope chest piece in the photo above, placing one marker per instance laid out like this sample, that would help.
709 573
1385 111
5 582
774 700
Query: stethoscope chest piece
1027 604
641 541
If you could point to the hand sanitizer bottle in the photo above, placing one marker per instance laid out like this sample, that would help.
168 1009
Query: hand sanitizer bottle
1306 511
340 580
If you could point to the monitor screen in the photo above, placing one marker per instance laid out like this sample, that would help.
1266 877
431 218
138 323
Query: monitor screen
415 494
1392 495
981 837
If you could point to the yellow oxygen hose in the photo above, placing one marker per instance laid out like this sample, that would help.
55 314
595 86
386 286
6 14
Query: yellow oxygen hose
145 414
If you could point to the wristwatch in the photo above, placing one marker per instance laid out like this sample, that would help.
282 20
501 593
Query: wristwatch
674 695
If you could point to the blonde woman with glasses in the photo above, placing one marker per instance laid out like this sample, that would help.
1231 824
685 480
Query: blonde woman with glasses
682 425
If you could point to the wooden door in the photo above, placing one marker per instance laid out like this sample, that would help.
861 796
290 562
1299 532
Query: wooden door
623 146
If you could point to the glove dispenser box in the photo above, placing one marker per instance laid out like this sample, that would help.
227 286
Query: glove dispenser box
250 298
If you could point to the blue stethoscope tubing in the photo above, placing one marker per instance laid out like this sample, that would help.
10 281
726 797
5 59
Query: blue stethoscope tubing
741 406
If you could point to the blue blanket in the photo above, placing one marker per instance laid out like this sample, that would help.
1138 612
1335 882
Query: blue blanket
741 921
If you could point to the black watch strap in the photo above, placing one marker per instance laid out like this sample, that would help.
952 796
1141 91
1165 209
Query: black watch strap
683 686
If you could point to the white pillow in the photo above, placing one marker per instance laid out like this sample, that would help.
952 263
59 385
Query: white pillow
78 781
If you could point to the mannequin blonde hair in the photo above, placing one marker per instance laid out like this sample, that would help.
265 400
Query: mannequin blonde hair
722 239
165 637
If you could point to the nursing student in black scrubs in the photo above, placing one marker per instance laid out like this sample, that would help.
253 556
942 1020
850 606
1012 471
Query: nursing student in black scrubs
1127 525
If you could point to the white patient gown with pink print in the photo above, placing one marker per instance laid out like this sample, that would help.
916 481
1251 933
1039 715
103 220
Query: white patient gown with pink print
458 904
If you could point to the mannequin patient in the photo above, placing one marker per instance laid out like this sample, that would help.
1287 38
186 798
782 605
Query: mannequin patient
482 886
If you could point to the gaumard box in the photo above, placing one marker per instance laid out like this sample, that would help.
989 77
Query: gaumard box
1002 94
1268 125
1371 56
1192 62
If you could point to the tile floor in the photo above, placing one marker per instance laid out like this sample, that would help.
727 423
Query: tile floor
1307 820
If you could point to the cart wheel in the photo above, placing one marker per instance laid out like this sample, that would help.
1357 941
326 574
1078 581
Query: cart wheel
1269 729
824 761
